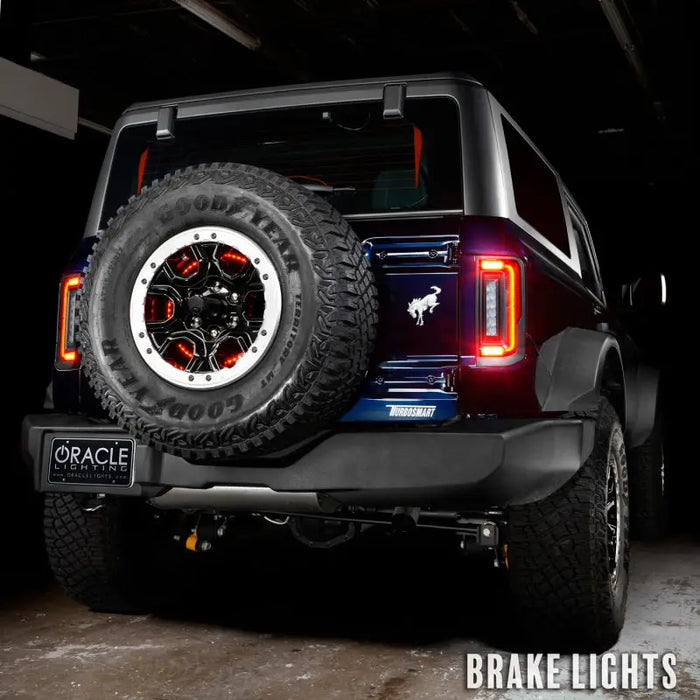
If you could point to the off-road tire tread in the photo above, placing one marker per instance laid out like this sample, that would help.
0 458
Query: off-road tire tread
92 554
328 378
559 585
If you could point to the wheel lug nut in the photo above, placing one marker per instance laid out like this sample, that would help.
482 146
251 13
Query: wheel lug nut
234 297
196 322
213 332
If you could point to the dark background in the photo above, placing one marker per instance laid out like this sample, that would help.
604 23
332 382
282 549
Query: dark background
610 108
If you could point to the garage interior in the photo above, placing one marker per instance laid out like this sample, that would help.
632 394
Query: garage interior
604 87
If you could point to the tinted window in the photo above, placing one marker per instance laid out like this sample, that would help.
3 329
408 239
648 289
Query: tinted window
361 162
536 190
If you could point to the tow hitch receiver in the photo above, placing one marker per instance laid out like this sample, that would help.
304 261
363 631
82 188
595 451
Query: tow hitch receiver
205 532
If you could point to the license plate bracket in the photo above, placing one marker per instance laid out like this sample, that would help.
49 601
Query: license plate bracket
91 461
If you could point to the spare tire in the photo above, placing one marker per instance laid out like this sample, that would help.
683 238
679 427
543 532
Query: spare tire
226 310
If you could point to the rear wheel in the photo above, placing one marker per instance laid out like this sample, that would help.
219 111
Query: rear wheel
568 555
98 550
648 488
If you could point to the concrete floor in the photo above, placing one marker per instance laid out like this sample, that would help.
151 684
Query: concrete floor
378 622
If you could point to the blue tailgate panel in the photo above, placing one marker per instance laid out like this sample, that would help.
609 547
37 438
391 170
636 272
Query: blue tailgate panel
413 375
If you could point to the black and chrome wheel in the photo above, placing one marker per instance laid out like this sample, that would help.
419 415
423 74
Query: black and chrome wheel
615 518
205 307
227 310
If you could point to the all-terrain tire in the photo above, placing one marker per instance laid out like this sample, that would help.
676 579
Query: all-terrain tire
648 489
559 564
311 371
99 556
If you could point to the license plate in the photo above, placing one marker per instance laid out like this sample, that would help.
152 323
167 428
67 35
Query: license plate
91 462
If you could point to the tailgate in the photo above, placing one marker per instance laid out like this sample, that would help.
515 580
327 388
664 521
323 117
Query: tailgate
417 350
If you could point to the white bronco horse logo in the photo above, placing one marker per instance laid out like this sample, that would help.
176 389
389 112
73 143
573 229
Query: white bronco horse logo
419 306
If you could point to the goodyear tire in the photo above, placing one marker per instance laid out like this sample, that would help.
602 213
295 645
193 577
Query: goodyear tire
568 555
226 311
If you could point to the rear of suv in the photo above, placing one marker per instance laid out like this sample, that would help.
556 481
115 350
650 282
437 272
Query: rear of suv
341 305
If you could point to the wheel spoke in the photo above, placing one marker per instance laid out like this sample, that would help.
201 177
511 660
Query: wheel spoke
244 339
204 252
612 510
167 290
200 364
195 336
160 339
238 334
247 274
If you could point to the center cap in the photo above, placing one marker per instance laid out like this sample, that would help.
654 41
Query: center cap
195 305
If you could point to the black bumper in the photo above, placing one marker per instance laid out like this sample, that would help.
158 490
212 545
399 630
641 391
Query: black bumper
484 463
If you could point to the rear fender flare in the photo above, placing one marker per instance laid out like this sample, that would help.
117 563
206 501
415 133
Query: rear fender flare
569 376
569 370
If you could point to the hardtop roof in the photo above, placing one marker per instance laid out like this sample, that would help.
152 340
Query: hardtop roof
282 89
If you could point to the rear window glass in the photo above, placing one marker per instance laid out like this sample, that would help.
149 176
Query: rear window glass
348 153
536 190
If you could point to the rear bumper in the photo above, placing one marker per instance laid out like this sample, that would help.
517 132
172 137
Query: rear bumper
484 463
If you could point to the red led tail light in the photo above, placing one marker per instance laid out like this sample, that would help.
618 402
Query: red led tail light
67 342
500 307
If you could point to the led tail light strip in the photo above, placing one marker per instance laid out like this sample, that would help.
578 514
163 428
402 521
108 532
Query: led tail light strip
501 306
67 342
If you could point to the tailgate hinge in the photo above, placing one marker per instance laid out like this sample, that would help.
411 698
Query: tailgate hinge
452 253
